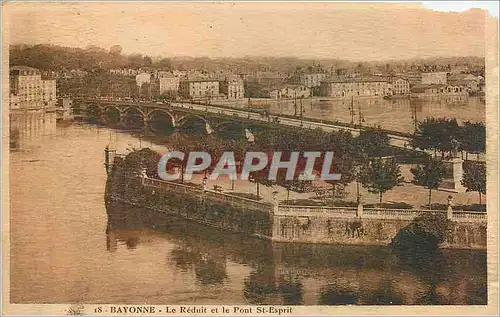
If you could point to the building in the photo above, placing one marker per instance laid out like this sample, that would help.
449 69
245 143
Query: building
25 87
169 83
352 87
32 111
125 71
199 89
414 78
233 87
400 86
64 110
448 93
142 78
457 69
49 92
312 79
434 78
290 92
470 81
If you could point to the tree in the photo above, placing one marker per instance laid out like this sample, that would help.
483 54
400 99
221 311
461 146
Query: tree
296 185
345 167
473 137
423 235
147 61
115 50
430 174
374 141
438 134
379 176
260 178
165 63
474 178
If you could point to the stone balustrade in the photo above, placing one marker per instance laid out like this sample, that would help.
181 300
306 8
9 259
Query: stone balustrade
307 211
232 200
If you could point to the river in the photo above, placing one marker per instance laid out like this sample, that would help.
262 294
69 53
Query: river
64 249
376 111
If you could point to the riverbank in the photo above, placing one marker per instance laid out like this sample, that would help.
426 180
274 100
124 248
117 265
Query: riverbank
60 233
281 223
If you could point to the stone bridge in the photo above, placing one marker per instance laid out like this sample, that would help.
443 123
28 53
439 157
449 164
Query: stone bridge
158 117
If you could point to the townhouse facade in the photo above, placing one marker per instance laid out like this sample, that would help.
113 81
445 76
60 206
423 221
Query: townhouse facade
201 88
233 87
438 78
169 84
347 88
32 105
400 86
311 80
290 92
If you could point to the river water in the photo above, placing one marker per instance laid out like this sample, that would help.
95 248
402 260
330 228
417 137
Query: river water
378 111
64 249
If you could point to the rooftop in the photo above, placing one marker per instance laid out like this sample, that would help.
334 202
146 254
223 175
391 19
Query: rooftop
199 80
17 69
20 67
356 80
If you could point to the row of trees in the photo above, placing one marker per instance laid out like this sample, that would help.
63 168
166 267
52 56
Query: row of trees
445 135
430 175
53 57
357 159
365 159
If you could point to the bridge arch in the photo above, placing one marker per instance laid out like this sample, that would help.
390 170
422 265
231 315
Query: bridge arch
78 108
161 121
94 112
234 130
196 124
111 114
133 118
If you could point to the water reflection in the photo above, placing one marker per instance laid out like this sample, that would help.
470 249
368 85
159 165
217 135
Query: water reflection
293 274
379 111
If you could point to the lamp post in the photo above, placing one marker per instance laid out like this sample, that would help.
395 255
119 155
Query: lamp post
295 103
204 182
361 116
449 211
301 113
414 117
351 109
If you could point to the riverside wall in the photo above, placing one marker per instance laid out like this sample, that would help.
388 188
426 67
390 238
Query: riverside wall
292 224
225 212
334 229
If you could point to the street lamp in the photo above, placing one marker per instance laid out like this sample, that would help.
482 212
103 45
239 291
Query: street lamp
361 116
351 110
449 210
204 181
414 117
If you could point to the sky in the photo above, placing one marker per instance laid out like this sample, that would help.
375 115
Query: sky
361 31
460 6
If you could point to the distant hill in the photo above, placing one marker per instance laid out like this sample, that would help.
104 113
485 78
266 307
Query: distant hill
53 57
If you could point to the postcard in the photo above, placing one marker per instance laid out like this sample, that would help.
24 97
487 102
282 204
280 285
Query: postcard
249 158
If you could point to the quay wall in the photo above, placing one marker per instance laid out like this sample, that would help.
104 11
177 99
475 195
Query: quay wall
225 212
293 224
332 229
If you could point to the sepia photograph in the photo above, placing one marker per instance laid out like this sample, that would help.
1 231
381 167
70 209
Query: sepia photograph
249 158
